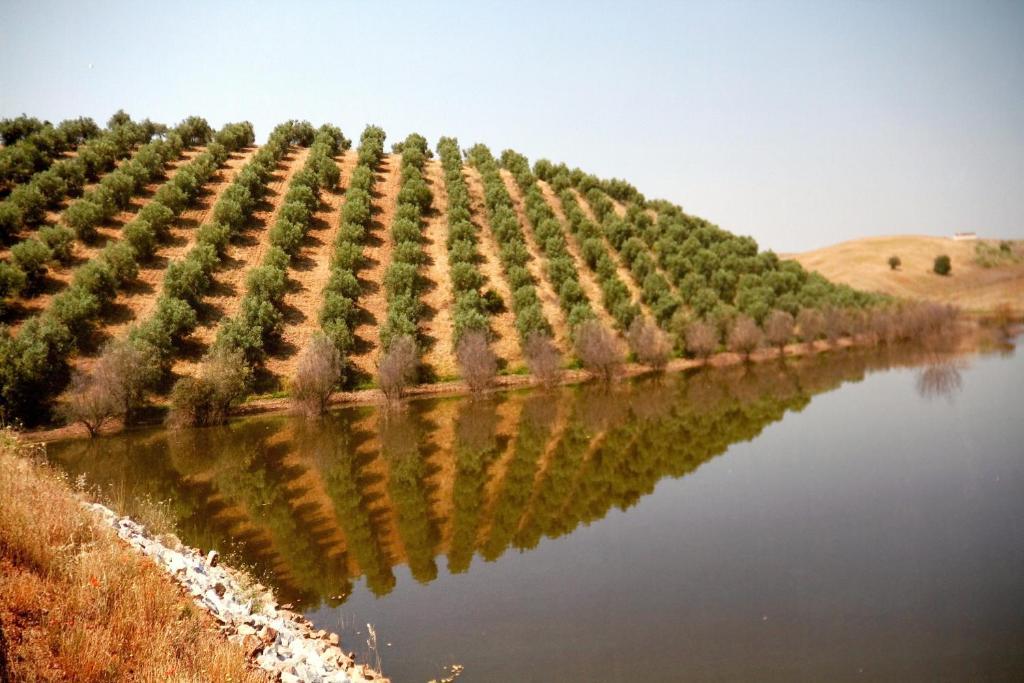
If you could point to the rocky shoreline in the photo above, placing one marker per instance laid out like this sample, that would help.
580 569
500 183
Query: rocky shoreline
280 642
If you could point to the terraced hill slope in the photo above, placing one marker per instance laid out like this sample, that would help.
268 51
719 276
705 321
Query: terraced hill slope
985 273
200 245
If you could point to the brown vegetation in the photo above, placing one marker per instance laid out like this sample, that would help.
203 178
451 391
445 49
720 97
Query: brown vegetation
397 368
598 349
745 336
809 325
317 372
701 339
778 329
477 361
542 358
76 604
649 343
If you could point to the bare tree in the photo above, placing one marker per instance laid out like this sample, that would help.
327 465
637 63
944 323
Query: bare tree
778 328
598 349
477 361
701 339
89 403
542 358
317 372
126 369
649 343
832 324
397 368
745 336
808 326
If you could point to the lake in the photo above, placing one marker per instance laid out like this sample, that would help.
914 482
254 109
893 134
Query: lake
855 516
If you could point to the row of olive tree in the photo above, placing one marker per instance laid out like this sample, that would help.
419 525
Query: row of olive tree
260 320
561 177
24 272
616 296
403 283
504 223
558 263
623 236
30 146
339 314
27 203
473 306
34 364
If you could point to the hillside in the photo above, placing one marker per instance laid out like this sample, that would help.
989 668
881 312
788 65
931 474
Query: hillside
982 277
178 254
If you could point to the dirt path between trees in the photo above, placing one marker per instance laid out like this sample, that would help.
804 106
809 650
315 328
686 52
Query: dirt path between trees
137 302
225 296
620 268
58 276
308 274
548 298
377 256
437 325
588 281
503 324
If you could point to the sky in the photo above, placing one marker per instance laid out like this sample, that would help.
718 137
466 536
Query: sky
799 123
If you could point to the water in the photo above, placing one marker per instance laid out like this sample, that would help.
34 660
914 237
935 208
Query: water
853 517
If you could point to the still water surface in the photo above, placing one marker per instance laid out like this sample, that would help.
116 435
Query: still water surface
851 517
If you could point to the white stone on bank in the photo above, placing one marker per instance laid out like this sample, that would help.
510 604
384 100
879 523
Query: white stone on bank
278 641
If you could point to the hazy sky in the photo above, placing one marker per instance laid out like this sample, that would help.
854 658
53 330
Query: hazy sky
801 123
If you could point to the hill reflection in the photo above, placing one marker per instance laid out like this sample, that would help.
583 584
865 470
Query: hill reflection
314 506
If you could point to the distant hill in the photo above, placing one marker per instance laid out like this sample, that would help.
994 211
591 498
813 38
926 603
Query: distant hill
984 275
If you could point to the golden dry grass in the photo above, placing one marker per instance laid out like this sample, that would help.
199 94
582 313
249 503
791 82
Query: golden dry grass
78 605
863 264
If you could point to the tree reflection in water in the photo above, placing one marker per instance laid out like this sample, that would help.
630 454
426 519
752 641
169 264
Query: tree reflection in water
318 506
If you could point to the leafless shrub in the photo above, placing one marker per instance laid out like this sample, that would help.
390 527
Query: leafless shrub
89 403
882 326
809 324
1003 319
832 324
941 378
317 372
778 328
542 358
126 370
397 368
649 343
477 361
745 336
223 380
701 339
597 347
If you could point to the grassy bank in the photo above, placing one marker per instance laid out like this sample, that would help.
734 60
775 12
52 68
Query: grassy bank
76 604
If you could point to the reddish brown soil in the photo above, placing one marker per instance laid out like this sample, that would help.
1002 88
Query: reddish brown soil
620 269
225 297
438 298
503 324
377 254
588 281
309 272
620 210
548 297
59 275
137 302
